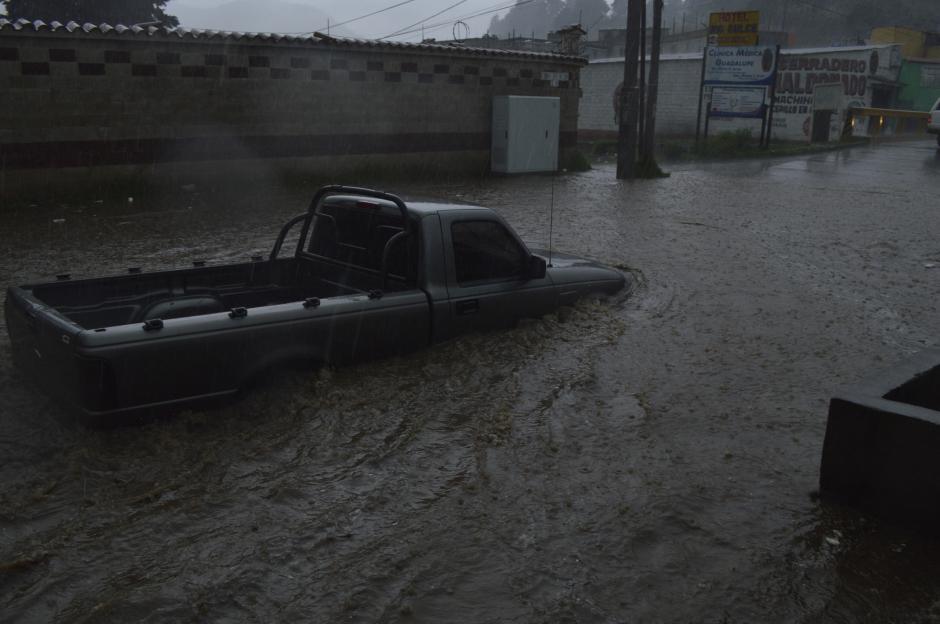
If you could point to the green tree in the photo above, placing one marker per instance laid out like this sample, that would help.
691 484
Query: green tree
125 12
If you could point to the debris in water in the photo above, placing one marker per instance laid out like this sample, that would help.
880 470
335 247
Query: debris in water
130 200
58 220
23 563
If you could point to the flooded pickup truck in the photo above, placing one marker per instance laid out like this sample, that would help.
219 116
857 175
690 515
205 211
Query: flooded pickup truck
368 276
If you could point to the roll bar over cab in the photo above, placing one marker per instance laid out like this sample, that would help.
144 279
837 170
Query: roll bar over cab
474 269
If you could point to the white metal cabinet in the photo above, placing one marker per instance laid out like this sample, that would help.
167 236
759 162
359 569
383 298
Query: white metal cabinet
525 133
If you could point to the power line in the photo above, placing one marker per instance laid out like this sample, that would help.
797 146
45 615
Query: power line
362 17
440 25
397 32
500 6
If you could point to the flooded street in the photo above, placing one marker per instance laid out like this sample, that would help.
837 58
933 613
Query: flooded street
651 458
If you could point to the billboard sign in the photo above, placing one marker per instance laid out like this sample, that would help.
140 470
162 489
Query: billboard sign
737 102
856 69
740 66
734 28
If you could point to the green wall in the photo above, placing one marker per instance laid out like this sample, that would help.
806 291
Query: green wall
920 85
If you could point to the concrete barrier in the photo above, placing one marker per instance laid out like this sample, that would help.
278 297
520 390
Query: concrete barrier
882 446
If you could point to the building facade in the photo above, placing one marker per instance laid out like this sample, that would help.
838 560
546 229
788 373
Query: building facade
83 98
920 84
866 76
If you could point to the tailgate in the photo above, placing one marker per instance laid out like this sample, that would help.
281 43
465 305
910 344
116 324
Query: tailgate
43 345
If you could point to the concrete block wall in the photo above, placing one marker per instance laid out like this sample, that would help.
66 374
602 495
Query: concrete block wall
597 107
676 107
93 99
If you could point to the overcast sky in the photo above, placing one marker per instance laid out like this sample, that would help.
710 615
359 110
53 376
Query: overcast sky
287 16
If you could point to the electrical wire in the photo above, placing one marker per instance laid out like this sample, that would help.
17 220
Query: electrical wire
429 18
362 17
440 25
493 8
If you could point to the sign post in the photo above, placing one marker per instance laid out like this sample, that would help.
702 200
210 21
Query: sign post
773 97
737 74
739 80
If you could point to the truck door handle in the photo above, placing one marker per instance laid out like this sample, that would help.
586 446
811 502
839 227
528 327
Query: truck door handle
468 306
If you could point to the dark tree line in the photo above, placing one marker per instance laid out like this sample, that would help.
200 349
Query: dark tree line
125 12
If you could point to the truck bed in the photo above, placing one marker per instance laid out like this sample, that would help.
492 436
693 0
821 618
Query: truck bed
135 298
86 340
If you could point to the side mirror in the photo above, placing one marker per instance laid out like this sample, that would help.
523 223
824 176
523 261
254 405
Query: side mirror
536 268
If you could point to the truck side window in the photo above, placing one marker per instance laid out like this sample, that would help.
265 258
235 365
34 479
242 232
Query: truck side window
485 251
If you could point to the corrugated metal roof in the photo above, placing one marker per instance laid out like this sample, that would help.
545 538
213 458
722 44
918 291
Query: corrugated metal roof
162 32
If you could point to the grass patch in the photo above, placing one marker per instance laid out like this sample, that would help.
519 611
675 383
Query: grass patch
727 145
575 160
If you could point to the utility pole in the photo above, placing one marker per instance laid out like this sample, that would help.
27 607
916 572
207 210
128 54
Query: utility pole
627 141
642 98
649 142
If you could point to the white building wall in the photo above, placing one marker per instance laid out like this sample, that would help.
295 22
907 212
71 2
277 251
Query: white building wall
678 92
679 88
599 82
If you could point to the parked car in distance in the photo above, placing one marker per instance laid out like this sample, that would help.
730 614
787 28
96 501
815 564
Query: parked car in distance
368 276
933 124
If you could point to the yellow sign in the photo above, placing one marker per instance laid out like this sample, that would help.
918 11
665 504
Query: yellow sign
734 28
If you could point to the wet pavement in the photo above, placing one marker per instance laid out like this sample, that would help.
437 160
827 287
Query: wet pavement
644 459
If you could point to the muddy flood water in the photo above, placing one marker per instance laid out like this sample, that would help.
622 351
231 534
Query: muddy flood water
651 458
